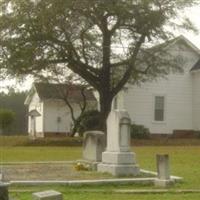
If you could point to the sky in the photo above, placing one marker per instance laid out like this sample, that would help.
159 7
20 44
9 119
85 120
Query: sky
192 13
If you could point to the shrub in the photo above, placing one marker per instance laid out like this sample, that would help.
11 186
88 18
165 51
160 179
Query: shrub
139 132
89 120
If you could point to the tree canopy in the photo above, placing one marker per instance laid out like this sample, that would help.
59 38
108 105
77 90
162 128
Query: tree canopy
103 41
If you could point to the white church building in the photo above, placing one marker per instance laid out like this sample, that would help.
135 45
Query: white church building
168 105
48 113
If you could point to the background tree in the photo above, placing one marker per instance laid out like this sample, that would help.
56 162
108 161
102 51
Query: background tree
14 101
104 42
65 96
65 91
66 87
6 119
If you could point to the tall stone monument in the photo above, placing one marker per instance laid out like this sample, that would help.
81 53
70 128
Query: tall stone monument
118 159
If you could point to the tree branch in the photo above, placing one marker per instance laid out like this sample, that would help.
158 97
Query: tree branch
131 65
83 107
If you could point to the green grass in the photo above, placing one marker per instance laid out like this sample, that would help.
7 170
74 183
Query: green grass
11 141
184 162
76 141
99 196
16 154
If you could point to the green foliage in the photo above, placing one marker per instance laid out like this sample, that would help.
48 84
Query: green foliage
89 120
87 21
139 132
6 118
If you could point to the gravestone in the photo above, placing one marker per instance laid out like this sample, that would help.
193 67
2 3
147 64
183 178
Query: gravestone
118 159
93 146
4 191
47 195
163 170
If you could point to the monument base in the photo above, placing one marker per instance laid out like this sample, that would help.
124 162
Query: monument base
119 170
118 157
119 164
163 183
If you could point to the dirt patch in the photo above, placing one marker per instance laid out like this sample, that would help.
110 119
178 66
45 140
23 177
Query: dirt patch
48 172
53 172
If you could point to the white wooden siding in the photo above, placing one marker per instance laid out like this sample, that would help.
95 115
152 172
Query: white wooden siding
196 100
53 110
178 92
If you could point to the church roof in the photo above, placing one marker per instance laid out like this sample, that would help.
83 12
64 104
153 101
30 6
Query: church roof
50 91
196 66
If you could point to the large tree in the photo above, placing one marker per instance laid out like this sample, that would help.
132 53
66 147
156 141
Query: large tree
103 41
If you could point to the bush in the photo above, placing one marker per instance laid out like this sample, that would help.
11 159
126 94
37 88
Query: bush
89 120
139 132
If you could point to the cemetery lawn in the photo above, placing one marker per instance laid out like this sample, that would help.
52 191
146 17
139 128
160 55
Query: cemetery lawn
34 154
184 162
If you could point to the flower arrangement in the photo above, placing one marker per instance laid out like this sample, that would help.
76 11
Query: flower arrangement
82 167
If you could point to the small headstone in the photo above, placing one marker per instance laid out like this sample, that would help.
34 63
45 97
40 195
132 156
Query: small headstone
93 146
4 191
163 170
47 195
118 159
163 167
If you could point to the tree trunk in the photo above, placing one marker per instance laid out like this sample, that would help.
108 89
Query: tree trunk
76 126
105 108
